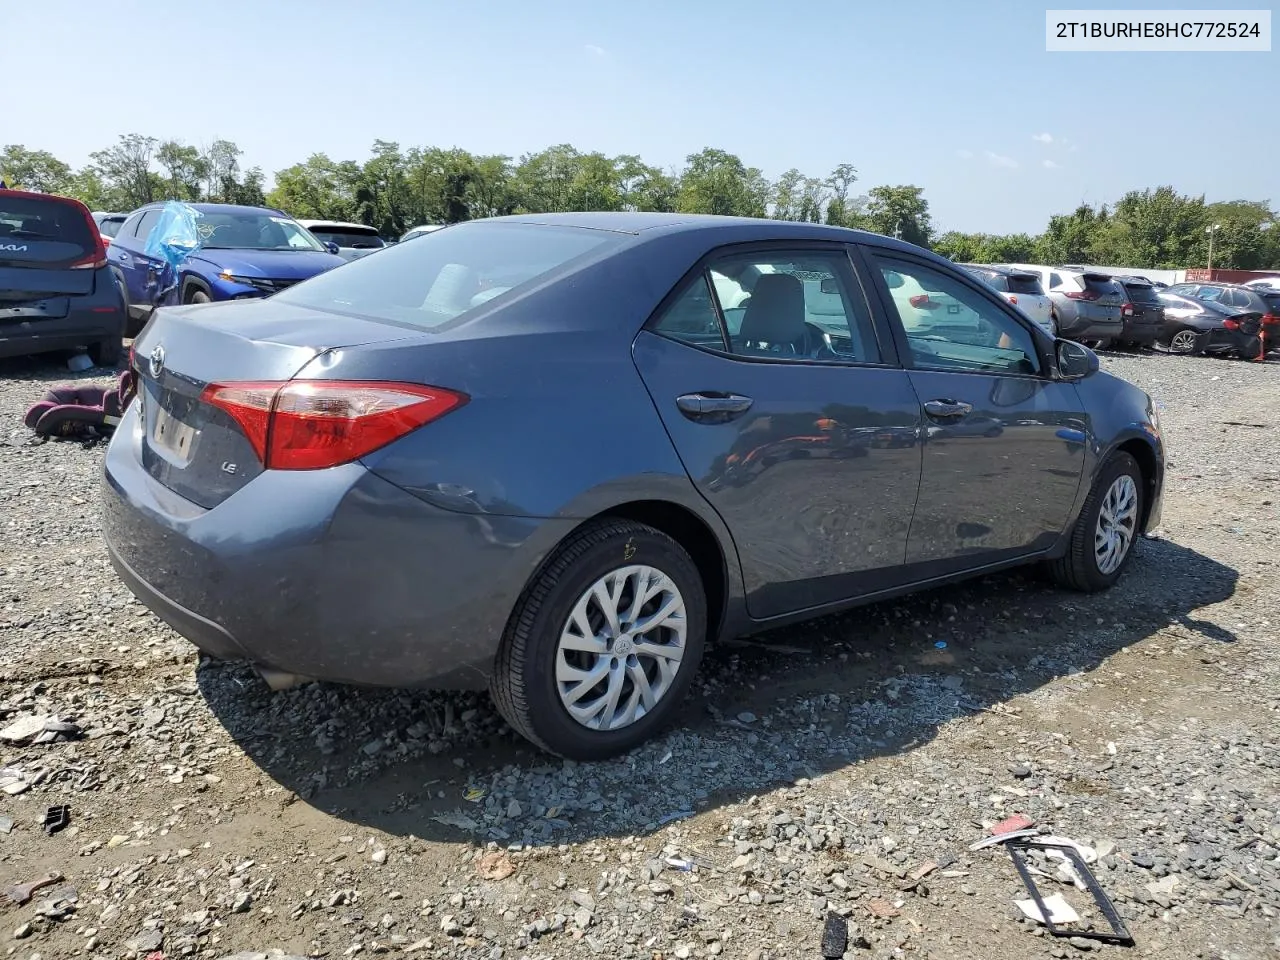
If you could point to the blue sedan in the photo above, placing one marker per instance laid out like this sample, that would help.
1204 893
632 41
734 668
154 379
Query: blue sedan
244 253
555 456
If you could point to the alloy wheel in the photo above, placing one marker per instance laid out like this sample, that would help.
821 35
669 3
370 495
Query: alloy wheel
621 647
1184 341
1117 524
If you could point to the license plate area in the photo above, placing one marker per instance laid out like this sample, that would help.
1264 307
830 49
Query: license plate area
169 435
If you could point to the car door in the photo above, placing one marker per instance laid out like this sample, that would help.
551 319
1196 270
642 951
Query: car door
1004 443
790 413
128 255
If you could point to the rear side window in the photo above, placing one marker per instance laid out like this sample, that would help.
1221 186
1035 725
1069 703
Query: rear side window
1055 280
44 232
1272 300
1027 284
142 229
446 274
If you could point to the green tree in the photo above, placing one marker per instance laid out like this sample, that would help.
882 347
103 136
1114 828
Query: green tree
718 182
184 169
839 210
125 169
900 211
35 170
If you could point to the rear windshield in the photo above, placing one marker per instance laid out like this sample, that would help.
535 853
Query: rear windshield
1025 283
349 237
1141 292
1100 283
445 274
996 281
110 226
1273 301
40 232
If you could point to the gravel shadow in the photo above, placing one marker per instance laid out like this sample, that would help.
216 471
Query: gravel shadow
767 711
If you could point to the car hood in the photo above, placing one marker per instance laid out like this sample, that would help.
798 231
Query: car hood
270 264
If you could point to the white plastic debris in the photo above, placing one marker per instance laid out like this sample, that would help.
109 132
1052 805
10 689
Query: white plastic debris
1060 911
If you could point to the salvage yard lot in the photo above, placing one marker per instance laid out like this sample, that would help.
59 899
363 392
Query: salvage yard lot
814 768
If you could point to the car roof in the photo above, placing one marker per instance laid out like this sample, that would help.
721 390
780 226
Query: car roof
1003 268
232 208
344 224
1223 283
728 229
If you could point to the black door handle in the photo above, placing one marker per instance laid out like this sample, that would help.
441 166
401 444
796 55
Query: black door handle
947 408
713 407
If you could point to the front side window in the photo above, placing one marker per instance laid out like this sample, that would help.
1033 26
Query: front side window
448 273
779 305
950 326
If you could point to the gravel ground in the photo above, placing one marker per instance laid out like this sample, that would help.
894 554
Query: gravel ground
842 767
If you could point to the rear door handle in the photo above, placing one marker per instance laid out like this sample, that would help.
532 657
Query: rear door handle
711 407
947 408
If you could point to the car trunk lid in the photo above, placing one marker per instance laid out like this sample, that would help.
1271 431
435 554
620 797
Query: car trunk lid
196 449
49 250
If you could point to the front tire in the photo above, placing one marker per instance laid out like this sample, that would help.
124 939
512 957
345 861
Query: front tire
1106 532
603 644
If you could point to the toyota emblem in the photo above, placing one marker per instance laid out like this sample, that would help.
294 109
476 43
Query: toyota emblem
156 361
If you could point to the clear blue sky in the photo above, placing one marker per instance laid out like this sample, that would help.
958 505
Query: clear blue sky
951 96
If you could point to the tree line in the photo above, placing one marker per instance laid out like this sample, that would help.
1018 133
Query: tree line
398 188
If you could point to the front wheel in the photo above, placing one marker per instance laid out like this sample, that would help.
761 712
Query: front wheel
1103 538
199 296
603 644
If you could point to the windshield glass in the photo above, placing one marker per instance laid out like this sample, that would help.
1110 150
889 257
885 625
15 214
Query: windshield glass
349 237
254 231
445 274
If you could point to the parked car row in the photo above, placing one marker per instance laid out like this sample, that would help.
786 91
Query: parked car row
1102 309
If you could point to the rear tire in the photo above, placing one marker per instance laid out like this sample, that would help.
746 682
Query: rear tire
106 353
547 663
1089 565
199 296
1183 341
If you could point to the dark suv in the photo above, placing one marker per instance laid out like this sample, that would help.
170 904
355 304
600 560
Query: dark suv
56 292
1142 313
1240 299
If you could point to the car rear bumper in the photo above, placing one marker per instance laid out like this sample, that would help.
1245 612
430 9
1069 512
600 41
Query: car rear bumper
1141 331
79 328
329 574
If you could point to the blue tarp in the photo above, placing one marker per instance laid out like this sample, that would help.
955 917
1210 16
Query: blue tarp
175 237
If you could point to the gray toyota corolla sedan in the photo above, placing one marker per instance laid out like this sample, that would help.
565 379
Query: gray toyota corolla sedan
555 456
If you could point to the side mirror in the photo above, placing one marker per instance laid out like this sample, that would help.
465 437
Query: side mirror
1075 361
332 247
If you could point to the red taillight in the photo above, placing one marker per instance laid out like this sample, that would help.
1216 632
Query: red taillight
921 301
1081 294
313 424
1127 310
1231 324
1269 318
1013 299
